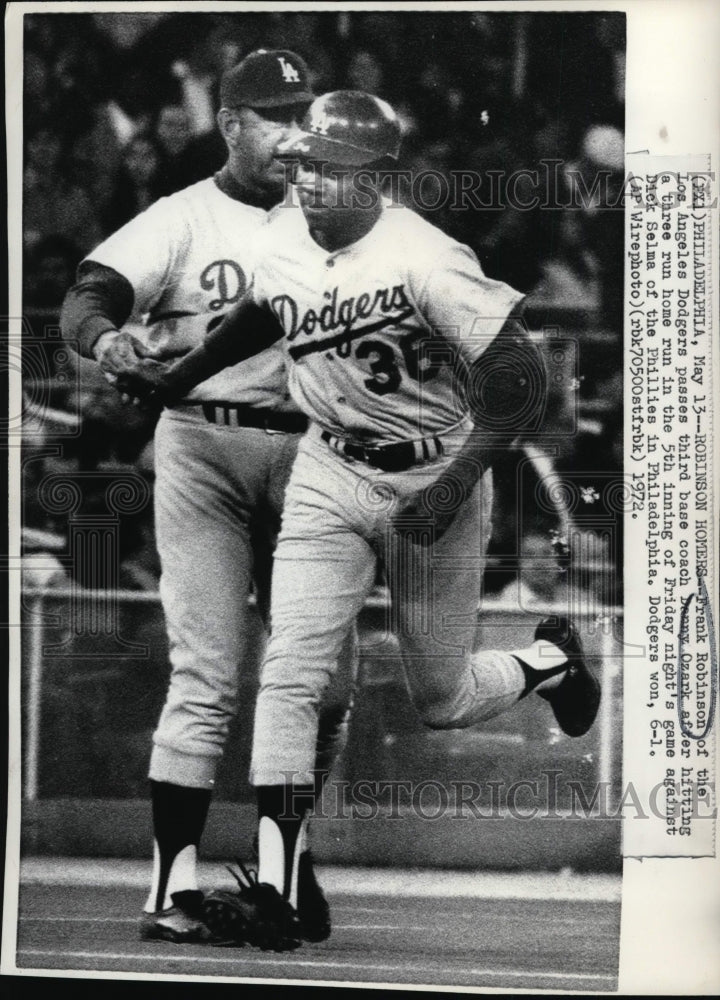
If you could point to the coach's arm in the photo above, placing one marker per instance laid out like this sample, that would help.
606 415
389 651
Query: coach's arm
93 312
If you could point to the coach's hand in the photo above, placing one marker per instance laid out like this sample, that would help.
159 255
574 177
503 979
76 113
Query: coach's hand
124 361
118 353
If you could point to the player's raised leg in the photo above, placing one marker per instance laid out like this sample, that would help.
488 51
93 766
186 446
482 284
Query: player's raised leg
436 592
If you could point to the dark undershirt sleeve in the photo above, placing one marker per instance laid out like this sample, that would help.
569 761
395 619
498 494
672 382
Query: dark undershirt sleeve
101 300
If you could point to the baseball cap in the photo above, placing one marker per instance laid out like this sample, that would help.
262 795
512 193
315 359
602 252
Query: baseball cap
266 78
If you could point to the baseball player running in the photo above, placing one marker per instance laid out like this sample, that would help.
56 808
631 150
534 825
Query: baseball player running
223 457
412 367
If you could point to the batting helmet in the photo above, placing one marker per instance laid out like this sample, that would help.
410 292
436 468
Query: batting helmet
347 127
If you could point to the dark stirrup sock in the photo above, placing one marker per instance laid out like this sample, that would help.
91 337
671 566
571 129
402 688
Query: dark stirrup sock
179 816
286 806
534 677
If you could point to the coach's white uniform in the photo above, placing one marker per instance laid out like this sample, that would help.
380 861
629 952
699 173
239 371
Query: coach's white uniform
219 486
353 321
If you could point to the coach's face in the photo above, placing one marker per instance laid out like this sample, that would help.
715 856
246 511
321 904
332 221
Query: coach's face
253 136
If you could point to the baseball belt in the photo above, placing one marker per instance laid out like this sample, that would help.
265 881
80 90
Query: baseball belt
238 415
389 457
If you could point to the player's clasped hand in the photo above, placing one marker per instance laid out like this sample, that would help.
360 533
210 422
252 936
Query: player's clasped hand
145 384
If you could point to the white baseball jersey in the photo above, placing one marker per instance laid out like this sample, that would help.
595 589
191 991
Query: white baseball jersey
189 257
371 330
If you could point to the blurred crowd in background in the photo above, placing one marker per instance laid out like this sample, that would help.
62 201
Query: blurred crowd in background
119 110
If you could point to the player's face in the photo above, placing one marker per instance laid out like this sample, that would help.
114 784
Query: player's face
324 190
261 132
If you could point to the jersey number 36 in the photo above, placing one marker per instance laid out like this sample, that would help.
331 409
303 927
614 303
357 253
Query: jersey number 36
421 364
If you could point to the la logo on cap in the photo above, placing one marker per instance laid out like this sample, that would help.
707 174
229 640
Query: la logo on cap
290 74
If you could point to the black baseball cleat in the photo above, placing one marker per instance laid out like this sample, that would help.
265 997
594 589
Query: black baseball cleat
576 699
181 923
312 907
255 914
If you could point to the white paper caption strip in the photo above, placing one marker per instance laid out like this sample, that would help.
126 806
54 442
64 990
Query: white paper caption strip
670 656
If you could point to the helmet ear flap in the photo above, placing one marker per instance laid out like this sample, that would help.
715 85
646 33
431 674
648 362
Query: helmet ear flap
383 165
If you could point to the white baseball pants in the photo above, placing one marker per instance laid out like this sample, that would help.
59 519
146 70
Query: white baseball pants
335 529
219 494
